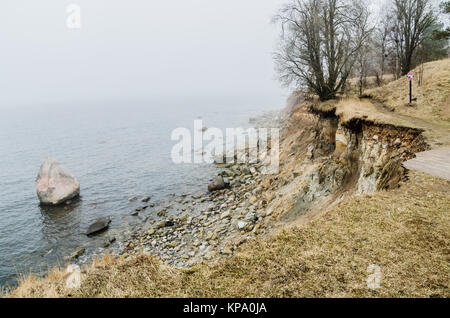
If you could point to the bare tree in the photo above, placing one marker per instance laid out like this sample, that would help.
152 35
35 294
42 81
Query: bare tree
320 42
412 19
382 45
364 65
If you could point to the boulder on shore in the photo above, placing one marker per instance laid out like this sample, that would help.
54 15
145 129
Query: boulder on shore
218 183
54 184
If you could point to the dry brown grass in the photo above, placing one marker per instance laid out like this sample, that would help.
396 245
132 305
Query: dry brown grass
433 97
349 109
404 231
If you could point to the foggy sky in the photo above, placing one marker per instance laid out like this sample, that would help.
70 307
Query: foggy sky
137 49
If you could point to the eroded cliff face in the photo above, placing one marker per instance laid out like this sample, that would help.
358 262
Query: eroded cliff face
366 152
382 151
343 158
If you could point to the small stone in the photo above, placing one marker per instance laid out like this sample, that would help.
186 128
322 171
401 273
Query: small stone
227 249
251 216
241 225
245 170
258 190
173 244
209 236
161 224
225 214
169 223
145 199
77 253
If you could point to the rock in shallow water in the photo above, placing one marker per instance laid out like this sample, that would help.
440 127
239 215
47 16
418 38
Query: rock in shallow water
54 184
99 225
145 199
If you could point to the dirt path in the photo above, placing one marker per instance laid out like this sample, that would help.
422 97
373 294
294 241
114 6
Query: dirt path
437 135
413 120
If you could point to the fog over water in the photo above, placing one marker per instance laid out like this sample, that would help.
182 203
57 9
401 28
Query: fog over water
137 49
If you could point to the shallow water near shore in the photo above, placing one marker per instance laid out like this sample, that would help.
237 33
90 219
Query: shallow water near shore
116 150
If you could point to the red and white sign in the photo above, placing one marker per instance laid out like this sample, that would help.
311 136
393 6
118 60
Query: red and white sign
410 76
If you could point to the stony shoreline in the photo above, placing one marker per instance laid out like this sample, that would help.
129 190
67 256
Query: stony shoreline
212 224
203 227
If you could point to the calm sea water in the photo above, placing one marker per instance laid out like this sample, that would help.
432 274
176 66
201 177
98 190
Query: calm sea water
116 150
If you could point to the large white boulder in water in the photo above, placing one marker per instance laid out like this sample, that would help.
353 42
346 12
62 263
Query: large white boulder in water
54 184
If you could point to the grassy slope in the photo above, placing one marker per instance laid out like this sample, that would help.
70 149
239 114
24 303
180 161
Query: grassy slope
433 97
431 110
405 231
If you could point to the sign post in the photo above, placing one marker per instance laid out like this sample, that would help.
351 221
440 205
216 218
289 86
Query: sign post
410 79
